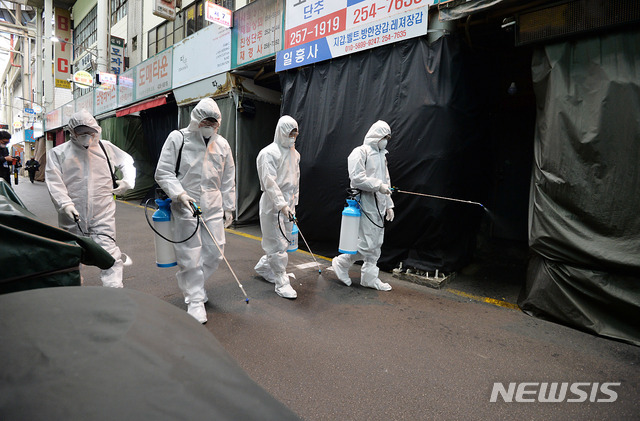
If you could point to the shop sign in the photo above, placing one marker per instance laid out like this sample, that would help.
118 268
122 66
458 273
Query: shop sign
191 63
153 76
258 31
218 14
330 38
165 9
83 79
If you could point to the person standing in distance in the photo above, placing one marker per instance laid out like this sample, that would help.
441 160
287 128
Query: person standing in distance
5 157
279 174
196 166
32 167
368 172
78 175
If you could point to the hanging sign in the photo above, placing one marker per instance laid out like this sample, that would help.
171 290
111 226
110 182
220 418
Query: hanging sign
165 9
218 14
83 78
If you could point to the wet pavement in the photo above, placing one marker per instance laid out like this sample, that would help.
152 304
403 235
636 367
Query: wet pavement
340 352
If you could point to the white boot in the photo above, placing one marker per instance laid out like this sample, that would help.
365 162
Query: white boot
283 287
264 269
197 311
338 264
369 277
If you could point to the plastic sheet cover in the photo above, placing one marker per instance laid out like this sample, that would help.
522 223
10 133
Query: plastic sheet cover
37 255
94 353
585 193
429 95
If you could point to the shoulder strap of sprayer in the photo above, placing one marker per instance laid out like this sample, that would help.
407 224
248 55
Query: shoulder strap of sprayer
179 154
113 176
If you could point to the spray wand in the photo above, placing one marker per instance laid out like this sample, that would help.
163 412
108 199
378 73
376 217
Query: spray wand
397 190
197 212
295 221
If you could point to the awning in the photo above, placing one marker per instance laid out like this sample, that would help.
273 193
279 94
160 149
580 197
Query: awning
144 105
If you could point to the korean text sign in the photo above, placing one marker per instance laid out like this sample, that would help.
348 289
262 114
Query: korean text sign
329 39
153 76
258 31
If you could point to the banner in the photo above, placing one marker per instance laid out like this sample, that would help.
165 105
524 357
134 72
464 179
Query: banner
62 51
409 24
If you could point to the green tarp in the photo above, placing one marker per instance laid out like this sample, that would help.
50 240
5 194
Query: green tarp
38 255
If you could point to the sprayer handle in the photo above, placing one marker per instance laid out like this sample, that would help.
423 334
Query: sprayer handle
195 208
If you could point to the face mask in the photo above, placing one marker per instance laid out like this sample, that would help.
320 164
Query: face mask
382 144
84 139
289 142
207 131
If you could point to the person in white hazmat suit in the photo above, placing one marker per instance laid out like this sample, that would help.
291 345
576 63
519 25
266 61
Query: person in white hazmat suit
206 176
367 165
78 175
279 173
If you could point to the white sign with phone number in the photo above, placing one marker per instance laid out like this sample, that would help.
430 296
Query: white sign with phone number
310 20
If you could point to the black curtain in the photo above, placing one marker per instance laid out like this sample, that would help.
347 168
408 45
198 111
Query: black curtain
157 123
584 225
431 96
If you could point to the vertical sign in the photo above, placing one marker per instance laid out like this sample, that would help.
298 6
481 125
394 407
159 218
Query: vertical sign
258 31
117 56
62 53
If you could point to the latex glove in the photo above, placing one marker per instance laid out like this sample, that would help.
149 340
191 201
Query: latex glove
390 215
228 218
123 186
184 198
384 189
71 211
286 211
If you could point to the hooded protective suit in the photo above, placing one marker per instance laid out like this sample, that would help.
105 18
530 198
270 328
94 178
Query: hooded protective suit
367 165
279 173
79 178
207 175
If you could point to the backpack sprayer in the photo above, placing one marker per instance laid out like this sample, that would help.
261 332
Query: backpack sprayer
350 223
165 253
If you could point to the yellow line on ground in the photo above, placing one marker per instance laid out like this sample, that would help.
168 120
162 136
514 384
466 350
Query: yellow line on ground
487 300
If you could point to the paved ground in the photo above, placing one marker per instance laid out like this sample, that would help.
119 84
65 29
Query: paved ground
352 353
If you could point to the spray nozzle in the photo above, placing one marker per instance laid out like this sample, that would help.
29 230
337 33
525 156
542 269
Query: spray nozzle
195 208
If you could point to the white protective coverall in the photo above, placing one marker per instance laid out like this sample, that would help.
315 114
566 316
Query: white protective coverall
80 177
279 173
206 174
367 165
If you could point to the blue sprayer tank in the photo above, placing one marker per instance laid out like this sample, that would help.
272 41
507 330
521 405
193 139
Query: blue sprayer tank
165 254
349 228
293 243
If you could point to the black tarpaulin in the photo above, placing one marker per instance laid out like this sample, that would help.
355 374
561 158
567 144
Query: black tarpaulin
126 133
429 96
585 194
37 255
94 353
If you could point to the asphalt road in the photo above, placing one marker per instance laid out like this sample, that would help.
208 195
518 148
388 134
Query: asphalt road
351 353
